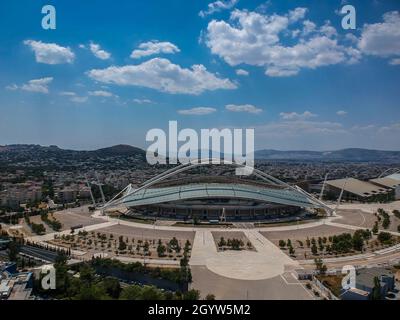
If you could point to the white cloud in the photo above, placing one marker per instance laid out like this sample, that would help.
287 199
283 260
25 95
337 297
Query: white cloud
297 14
199 111
98 52
154 47
142 101
100 93
12 87
325 135
38 85
79 99
393 128
241 72
297 116
301 126
67 93
162 75
50 53
341 113
395 62
255 39
308 27
243 108
382 39
218 6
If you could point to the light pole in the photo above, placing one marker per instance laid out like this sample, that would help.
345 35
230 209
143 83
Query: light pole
323 187
341 194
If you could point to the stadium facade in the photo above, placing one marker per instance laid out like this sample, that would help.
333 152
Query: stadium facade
213 197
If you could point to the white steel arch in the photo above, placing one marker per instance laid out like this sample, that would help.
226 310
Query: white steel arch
391 170
128 191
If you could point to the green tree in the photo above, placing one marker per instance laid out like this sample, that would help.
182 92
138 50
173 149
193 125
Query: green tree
131 293
358 242
320 266
376 291
92 292
87 274
112 287
385 237
210 296
151 293
122 246
191 295
375 228
13 250
314 249
161 250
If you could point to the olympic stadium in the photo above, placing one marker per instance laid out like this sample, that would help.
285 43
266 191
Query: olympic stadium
212 198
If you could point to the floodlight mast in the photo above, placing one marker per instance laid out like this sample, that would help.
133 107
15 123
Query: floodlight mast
341 194
90 190
323 187
101 189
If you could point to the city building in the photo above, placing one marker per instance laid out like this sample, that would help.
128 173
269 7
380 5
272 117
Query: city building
365 283
14 285
354 189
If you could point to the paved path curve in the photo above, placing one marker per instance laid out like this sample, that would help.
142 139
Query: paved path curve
266 262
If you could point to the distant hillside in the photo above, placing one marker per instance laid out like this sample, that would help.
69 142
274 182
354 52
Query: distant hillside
24 152
351 154
120 150
28 153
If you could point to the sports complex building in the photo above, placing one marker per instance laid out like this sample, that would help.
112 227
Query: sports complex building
216 197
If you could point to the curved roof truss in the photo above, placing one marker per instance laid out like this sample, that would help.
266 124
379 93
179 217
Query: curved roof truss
129 191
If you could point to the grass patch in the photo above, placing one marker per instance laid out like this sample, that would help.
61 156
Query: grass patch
332 282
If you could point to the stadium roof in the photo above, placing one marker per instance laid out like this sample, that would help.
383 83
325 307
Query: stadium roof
386 182
218 190
357 187
395 176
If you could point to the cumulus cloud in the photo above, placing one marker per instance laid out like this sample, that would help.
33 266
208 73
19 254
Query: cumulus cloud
154 47
241 72
257 39
199 111
50 53
100 93
218 6
249 108
297 116
297 14
382 39
162 75
341 113
37 85
98 52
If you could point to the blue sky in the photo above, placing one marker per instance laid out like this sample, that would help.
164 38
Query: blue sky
112 70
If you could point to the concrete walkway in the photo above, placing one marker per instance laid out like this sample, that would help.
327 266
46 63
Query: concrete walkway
266 262
50 236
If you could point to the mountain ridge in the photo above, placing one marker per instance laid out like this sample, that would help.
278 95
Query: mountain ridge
347 154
